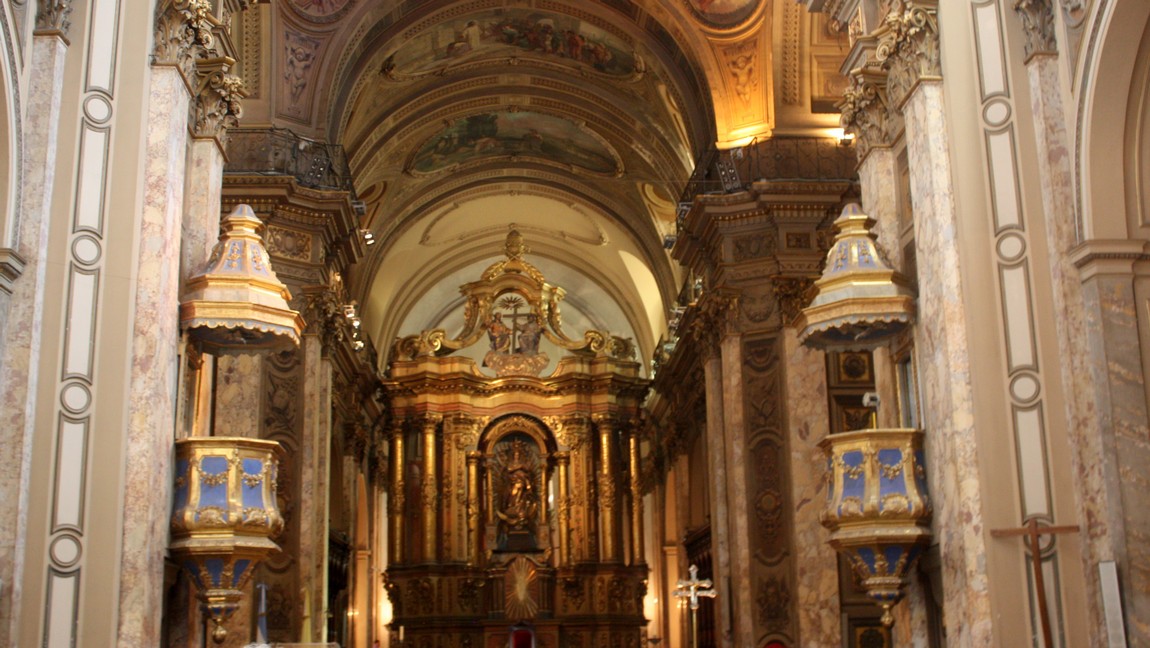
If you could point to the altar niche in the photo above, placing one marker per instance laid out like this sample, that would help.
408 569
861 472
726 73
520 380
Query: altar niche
517 453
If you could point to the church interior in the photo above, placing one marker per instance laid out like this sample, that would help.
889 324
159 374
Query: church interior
540 324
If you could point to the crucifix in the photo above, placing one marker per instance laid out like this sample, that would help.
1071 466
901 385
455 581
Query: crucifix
1033 534
691 590
513 303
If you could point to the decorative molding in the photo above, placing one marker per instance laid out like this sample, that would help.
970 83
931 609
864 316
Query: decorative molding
908 47
11 267
867 113
217 105
183 34
1038 23
54 17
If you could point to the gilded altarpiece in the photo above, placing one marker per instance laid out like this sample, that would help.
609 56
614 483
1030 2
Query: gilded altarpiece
512 500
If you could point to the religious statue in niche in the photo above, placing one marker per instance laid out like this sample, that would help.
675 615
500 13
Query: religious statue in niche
514 337
516 493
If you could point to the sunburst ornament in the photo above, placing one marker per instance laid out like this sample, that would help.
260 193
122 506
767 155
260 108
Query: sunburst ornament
520 605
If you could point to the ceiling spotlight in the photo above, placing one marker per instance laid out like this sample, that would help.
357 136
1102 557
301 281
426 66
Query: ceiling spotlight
368 237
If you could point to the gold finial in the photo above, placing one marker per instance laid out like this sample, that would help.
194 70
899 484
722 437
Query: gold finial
514 248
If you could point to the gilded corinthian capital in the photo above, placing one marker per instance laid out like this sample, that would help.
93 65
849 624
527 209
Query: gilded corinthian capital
867 113
908 46
1038 24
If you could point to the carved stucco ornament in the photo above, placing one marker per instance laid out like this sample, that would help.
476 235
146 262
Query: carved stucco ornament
218 104
861 302
908 46
866 111
183 33
505 287
53 16
1038 24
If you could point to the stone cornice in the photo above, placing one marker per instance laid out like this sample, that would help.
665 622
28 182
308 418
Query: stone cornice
908 47
1109 257
1038 23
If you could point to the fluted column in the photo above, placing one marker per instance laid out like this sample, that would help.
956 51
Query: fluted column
608 491
634 465
563 460
474 531
430 491
396 505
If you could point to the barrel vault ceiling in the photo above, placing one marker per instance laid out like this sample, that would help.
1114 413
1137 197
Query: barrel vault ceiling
578 122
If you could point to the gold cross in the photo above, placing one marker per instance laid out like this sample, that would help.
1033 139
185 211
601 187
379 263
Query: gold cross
1033 533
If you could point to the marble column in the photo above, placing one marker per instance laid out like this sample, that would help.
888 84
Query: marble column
609 509
315 471
1049 119
21 343
717 493
733 441
155 339
237 396
816 579
944 354
430 490
1119 393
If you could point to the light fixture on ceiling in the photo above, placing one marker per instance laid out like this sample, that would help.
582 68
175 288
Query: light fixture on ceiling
368 237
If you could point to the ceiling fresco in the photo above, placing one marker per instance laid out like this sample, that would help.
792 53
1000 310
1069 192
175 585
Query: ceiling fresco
509 133
506 33
582 121
724 12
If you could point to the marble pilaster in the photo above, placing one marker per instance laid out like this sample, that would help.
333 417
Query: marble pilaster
717 493
944 357
314 483
733 440
1119 395
21 335
1079 405
816 582
155 341
202 189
